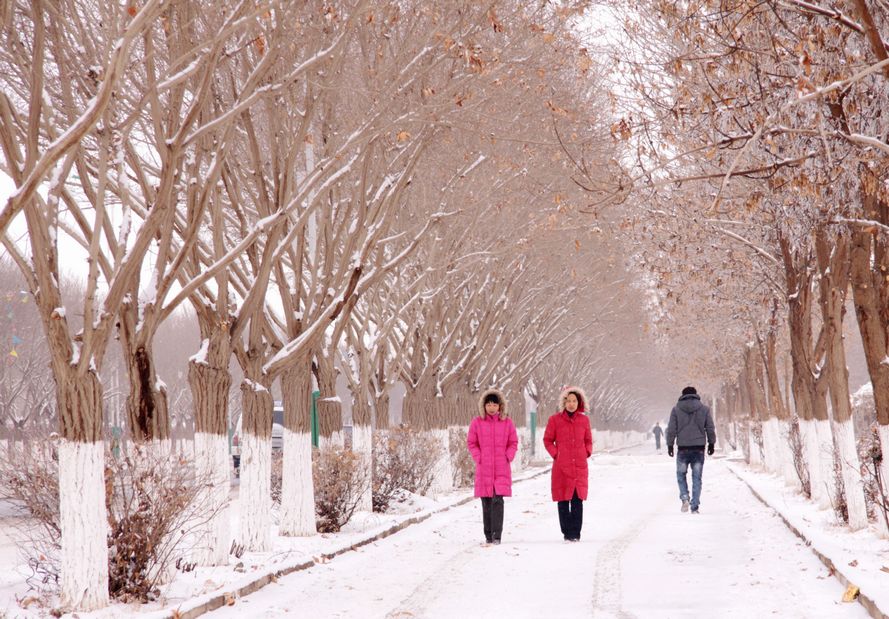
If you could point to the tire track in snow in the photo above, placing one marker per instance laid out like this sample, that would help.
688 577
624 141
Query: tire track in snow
607 598
437 584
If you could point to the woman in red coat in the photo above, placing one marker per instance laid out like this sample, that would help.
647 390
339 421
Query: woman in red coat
492 441
569 440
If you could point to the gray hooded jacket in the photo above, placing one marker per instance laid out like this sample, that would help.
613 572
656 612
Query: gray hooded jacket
691 424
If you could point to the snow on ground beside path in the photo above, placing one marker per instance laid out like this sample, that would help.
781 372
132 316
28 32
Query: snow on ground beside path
639 557
190 589
860 556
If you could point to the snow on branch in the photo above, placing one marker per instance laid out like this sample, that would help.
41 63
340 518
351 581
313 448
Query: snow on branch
85 121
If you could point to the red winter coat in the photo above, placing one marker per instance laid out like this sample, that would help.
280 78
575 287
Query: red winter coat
493 442
570 442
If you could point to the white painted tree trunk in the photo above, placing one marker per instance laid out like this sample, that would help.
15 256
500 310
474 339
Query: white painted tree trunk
602 439
362 447
825 450
851 465
335 440
516 465
298 488
442 475
255 495
809 435
884 470
84 525
788 468
770 446
822 462
213 468
755 455
540 453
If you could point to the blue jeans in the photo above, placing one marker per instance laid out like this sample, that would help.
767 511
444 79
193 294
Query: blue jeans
696 459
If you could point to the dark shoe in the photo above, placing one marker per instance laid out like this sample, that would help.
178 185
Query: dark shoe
695 511
496 542
684 506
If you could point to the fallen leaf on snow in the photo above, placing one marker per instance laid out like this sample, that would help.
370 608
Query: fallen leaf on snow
850 594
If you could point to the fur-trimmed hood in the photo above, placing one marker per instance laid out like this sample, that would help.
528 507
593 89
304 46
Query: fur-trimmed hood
581 406
500 397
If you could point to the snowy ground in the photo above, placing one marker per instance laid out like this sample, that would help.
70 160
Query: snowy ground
638 557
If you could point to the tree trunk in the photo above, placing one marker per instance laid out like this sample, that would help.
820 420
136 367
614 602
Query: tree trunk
834 267
779 415
424 411
869 269
809 390
381 411
82 509
330 410
362 443
255 496
298 489
418 409
209 387
756 401
516 401
147 400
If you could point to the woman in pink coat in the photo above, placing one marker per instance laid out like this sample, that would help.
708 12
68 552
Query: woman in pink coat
492 441
569 440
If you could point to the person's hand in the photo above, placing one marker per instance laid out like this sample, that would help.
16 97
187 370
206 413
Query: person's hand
710 449
670 451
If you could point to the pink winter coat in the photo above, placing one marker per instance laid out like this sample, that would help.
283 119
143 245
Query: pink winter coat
493 443
569 440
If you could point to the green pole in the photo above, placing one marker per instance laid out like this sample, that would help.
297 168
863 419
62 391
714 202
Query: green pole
533 416
315 396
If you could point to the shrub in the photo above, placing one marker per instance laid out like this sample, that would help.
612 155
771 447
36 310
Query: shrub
838 490
799 460
29 475
875 492
339 481
462 464
403 459
152 513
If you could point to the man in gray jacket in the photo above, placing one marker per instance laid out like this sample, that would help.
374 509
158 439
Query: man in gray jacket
691 428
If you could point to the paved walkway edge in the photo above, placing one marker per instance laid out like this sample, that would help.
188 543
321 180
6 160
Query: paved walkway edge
863 598
221 598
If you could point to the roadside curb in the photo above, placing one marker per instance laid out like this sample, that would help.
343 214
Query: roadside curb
222 598
869 604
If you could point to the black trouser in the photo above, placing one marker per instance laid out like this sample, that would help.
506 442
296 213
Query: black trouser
492 517
657 441
571 517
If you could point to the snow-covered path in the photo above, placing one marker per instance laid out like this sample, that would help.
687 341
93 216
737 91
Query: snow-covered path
639 557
